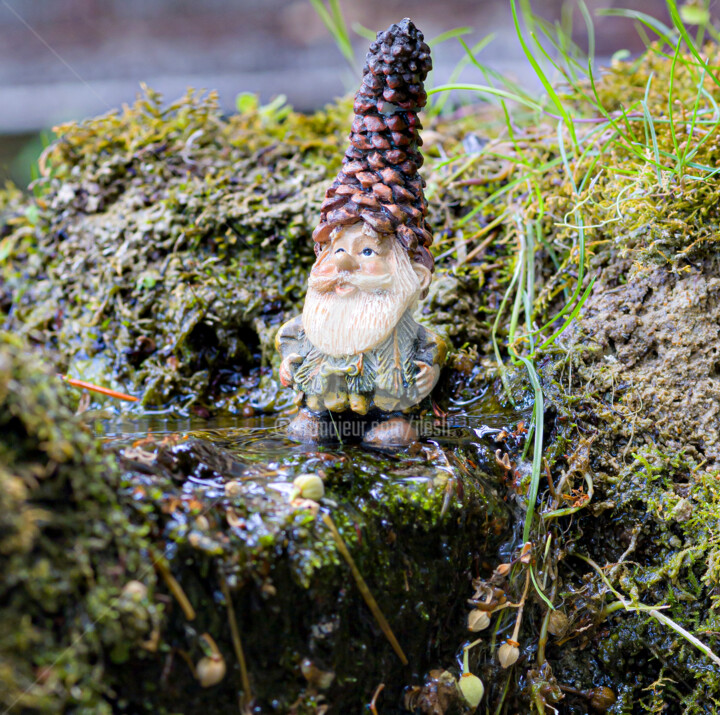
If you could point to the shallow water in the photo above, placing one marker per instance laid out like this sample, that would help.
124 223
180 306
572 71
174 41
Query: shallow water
265 433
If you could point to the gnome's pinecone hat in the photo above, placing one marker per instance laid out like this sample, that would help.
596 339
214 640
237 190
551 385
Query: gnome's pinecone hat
379 181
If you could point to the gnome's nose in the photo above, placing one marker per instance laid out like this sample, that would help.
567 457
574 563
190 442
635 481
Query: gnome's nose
345 262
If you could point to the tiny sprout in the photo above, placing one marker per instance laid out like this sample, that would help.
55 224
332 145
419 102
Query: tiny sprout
472 689
308 486
210 670
508 653
478 620
470 686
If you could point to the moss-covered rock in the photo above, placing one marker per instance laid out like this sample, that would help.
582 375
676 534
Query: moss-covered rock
164 246
227 516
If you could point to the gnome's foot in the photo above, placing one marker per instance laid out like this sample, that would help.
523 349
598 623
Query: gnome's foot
307 426
395 432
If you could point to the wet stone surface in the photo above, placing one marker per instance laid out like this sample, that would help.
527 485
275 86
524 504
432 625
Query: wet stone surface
221 506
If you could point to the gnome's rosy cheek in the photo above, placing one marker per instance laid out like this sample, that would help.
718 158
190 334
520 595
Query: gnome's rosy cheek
375 266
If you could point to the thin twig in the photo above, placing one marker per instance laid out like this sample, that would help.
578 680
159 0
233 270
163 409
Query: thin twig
654 612
175 587
364 590
685 634
373 706
548 474
478 249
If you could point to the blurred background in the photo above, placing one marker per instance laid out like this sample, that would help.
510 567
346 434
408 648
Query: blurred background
69 59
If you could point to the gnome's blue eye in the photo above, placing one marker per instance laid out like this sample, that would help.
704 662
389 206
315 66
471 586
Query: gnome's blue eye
368 252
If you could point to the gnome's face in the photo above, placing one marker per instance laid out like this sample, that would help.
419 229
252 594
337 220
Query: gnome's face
360 286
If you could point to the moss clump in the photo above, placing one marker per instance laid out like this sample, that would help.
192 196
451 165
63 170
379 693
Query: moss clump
164 243
632 394
163 247
67 550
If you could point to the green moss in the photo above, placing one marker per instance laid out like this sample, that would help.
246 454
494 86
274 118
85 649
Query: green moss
166 241
79 528
66 549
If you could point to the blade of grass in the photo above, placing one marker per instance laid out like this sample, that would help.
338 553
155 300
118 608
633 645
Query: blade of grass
651 129
670 102
660 28
551 340
342 30
483 88
335 25
445 36
680 26
541 75
363 31
687 152
539 413
439 105
590 29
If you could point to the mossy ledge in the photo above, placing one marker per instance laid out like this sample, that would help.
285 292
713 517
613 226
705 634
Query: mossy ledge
119 563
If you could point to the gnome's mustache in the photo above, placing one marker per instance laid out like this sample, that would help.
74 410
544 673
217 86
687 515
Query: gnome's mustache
365 283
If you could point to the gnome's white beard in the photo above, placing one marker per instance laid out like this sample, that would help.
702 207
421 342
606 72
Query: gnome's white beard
348 325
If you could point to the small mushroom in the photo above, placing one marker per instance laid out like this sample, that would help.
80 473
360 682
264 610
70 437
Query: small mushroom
472 689
210 671
478 620
135 590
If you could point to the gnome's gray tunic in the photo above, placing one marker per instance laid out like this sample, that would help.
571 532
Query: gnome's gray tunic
383 377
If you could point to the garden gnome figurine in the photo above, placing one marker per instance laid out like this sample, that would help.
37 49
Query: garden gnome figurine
356 353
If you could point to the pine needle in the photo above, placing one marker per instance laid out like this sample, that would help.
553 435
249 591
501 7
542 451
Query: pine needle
96 388
175 588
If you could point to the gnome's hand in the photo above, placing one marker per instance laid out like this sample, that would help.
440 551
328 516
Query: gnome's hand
286 369
426 378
